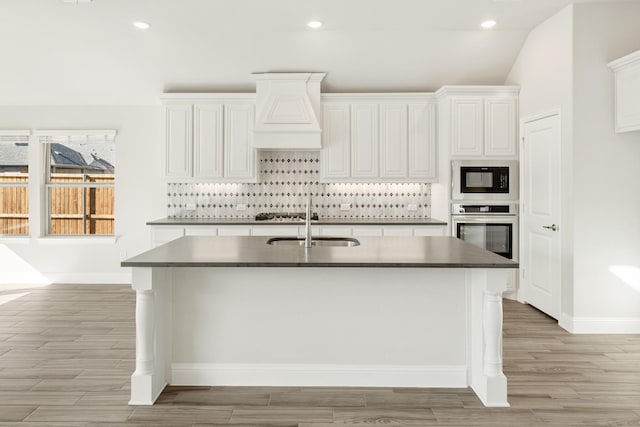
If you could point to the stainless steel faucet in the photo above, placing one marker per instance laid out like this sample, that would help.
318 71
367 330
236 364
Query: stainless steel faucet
307 223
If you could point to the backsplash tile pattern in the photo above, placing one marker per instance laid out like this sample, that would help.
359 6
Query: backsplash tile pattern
285 179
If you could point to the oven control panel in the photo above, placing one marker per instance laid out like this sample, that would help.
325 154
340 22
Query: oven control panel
483 209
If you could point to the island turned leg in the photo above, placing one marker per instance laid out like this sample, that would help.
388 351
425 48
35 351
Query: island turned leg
492 329
487 378
150 377
142 378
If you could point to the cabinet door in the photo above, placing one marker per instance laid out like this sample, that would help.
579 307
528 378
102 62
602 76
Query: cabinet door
239 154
336 140
422 141
627 97
178 122
364 140
466 126
393 140
500 120
207 140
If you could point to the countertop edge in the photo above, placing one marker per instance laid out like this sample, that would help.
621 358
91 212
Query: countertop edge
316 264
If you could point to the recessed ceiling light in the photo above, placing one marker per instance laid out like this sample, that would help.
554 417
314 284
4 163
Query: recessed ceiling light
314 24
488 24
141 25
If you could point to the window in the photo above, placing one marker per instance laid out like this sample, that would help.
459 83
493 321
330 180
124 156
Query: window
80 177
14 182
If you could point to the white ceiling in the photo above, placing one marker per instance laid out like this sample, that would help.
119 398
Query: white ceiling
90 54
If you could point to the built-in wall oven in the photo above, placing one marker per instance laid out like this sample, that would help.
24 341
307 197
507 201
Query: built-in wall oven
492 226
484 180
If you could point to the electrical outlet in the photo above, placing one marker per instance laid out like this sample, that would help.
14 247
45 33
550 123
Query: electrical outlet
241 207
190 206
412 207
345 206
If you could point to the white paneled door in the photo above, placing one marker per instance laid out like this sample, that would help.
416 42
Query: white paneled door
541 249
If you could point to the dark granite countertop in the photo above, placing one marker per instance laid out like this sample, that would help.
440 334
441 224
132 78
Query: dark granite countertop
322 221
408 252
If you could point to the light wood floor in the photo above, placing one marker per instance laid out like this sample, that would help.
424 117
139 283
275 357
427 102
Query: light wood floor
66 353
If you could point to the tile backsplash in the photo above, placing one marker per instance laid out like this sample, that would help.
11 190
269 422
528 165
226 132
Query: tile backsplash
285 179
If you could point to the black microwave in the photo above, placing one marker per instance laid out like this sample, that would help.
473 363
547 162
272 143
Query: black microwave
484 180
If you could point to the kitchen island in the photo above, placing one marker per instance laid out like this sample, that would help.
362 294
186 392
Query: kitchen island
390 312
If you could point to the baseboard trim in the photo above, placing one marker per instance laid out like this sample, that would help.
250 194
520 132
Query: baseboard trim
600 325
210 374
89 278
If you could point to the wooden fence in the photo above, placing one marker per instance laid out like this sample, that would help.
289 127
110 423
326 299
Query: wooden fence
73 210
14 205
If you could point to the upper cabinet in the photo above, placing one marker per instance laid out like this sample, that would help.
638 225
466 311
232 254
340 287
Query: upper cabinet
627 92
480 121
209 138
386 138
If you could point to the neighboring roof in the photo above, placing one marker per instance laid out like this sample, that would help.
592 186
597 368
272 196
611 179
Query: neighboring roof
86 155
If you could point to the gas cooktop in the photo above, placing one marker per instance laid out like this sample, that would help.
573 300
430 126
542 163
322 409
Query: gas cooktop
284 216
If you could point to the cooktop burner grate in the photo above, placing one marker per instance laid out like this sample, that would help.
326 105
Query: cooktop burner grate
284 216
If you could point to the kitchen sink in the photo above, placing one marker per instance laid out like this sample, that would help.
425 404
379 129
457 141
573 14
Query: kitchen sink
316 241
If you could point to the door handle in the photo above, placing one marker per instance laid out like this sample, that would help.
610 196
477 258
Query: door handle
551 227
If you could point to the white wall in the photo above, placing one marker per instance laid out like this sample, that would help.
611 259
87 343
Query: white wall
563 64
606 165
544 72
139 194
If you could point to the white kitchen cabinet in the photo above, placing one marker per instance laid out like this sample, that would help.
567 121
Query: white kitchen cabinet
201 230
277 230
466 126
234 230
397 230
479 121
239 154
335 154
379 137
208 140
422 141
332 230
178 127
430 230
164 234
393 141
208 137
161 234
500 121
367 231
627 92
364 140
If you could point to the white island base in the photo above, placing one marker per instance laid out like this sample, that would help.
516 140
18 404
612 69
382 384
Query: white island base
319 326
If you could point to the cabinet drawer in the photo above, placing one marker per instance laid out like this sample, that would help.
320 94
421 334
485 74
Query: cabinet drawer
432 230
367 231
275 230
397 231
234 230
201 231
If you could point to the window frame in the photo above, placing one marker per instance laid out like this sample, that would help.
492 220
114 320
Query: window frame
19 134
46 138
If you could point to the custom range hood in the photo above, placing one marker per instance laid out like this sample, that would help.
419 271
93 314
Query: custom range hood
287 111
